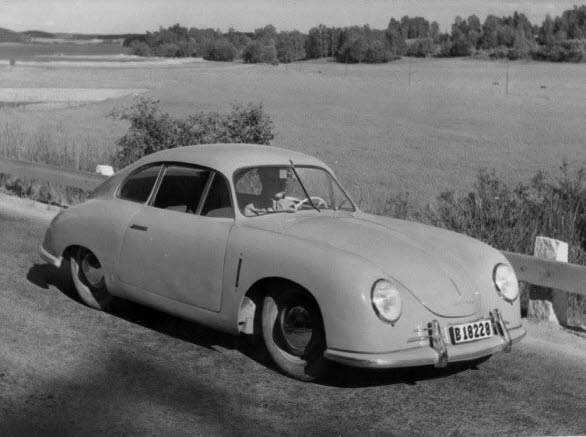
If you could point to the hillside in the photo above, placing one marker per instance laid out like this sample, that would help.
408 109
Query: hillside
38 34
7 35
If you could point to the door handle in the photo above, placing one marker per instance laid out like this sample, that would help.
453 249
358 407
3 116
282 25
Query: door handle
139 227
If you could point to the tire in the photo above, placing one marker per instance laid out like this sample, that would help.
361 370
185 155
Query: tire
293 333
88 279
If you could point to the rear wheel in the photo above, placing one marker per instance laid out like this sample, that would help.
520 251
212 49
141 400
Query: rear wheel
88 278
293 333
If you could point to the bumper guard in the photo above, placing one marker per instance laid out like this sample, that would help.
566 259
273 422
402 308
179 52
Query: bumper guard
438 352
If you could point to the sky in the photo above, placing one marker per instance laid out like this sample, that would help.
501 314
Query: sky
126 16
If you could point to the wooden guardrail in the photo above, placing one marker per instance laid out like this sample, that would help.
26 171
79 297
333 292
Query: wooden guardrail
47 173
570 278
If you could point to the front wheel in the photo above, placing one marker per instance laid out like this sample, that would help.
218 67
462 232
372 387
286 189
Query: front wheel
88 278
293 333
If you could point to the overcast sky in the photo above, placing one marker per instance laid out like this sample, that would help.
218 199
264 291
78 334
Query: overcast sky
120 16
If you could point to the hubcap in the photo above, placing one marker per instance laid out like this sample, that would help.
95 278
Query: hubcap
297 328
91 269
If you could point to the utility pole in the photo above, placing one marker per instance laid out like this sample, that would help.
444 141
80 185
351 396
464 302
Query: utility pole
410 68
507 82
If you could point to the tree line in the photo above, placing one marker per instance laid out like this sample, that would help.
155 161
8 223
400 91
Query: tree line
562 38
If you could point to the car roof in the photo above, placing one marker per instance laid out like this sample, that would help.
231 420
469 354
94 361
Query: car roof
227 158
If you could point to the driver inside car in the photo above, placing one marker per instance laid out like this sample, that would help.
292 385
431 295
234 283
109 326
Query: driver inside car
272 196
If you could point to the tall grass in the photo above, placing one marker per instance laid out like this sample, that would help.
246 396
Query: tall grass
54 145
509 218
50 144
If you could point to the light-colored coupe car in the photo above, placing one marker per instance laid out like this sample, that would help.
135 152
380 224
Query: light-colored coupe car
264 241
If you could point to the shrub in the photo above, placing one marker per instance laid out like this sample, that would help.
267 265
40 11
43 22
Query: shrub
186 49
461 47
445 49
510 218
376 53
421 48
140 48
167 50
252 52
152 130
563 51
260 52
219 50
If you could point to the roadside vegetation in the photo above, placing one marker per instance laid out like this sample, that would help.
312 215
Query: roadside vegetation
505 216
152 130
558 39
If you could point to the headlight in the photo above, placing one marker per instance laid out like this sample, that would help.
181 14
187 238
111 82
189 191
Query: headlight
506 282
386 301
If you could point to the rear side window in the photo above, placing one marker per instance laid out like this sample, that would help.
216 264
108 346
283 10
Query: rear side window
181 189
138 186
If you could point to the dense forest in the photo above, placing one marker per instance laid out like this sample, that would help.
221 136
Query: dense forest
559 39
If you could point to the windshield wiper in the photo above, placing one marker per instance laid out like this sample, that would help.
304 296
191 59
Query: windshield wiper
303 186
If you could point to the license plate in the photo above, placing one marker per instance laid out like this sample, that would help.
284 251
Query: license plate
471 331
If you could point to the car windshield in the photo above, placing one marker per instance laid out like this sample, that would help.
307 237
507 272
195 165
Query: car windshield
271 189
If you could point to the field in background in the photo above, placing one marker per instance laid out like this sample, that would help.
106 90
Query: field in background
30 51
381 135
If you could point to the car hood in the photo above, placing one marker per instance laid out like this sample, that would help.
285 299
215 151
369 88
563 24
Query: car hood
439 267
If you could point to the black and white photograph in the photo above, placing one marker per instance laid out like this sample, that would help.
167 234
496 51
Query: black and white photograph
292 217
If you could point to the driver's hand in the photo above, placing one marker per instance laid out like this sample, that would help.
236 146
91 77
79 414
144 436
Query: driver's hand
250 209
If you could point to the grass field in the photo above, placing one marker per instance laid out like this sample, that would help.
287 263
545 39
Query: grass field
381 135
21 51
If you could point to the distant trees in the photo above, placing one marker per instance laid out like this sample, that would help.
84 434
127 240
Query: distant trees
321 42
362 44
219 50
260 52
290 46
556 39
395 38
263 48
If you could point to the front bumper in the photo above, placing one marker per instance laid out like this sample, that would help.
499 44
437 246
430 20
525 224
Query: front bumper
51 259
438 352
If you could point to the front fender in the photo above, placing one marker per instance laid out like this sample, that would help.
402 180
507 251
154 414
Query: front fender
340 282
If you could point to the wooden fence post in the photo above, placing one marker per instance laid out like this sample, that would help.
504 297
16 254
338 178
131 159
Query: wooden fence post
546 303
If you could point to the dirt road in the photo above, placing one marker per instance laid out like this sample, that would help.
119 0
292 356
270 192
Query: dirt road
66 368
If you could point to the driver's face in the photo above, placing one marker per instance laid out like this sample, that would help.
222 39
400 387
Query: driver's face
270 180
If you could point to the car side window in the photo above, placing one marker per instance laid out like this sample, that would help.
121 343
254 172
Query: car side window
218 202
181 188
138 186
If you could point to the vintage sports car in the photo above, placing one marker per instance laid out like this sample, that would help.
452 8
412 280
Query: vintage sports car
264 241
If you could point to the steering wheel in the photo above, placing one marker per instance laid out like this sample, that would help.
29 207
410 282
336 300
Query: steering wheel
319 200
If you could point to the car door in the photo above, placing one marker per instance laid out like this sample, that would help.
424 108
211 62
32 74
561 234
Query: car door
175 245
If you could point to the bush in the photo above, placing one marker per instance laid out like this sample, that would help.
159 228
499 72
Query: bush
140 48
167 50
219 50
421 48
445 49
510 218
252 53
461 47
376 53
564 51
260 52
152 130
